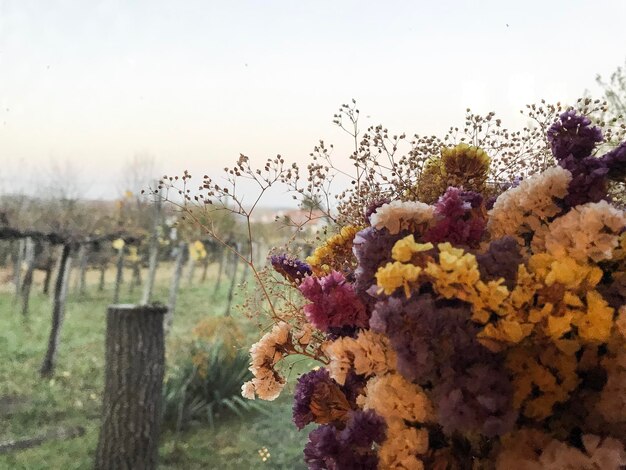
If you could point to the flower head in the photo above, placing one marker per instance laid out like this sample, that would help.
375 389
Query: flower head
290 268
573 135
334 302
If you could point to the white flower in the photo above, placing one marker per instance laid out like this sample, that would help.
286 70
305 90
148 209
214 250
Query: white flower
264 355
590 231
398 215
247 390
525 209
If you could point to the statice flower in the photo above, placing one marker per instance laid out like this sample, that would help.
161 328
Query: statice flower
363 428
373 207
587 232
615 161
318 398
367 354
403 405
458 218
501 260
415 327
614 291
398 215
477 399
607 454
265 354
589 180
524 212
349 449
573 135
334 302
290 268
372 248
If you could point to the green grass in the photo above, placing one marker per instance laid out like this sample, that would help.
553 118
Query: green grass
73 396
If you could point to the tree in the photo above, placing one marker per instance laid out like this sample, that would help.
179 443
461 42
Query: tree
615 90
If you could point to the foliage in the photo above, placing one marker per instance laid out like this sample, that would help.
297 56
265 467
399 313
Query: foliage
205 384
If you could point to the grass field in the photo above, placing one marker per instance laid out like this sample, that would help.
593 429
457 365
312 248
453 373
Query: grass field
30 406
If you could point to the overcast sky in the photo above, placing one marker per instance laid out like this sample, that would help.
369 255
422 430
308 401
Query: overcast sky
195 83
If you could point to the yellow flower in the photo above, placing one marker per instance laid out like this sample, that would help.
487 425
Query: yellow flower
133 254
118 244
596 323
395 275
335 252
404 249
466 166
197 251
542 377
455 274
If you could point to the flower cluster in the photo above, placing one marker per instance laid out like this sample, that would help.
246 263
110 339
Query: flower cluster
456 331
336 251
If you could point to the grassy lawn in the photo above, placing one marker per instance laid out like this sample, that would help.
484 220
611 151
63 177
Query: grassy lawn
30 406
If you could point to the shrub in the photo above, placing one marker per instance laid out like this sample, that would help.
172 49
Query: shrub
205 385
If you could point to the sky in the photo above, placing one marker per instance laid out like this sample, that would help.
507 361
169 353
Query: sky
89 85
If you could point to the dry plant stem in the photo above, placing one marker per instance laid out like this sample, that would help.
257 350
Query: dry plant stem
211 233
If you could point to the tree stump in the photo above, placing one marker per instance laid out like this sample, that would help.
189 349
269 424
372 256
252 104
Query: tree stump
131 408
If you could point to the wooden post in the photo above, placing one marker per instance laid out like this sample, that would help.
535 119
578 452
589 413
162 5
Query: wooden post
192 269
34 249
233 282
103 270
58 311
17 267
135 276
48 277
154 252
220 270
119 275
178 270
83 257
131 407
205 267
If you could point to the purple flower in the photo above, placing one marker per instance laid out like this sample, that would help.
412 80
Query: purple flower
353 387
428 334
459 218
363 428
323 449
305 388
477 399
502 259
334 302
372 248
573 135
291 268
349 449
589 180
615 161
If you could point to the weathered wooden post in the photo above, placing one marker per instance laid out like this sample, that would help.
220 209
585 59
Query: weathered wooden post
132 399
83 257
233 281
178 270
103 269
33 251
220 270
119 274
17 267
58 310
154 253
